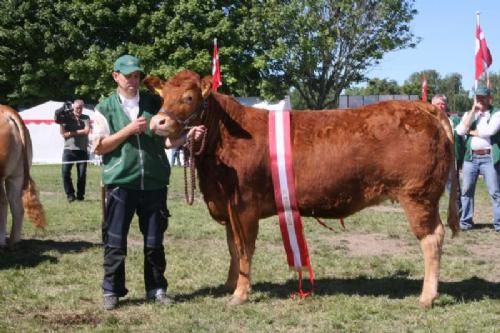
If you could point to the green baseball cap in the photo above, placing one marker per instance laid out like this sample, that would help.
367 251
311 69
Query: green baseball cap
127 64
482 91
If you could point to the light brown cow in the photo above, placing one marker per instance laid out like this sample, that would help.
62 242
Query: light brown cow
344 161
17 189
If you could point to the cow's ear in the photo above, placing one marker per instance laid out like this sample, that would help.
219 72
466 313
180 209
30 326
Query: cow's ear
154 84
206 86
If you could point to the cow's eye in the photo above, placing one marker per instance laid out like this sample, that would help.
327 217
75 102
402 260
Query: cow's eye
188 99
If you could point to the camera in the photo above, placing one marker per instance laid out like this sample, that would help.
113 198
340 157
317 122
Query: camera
64 115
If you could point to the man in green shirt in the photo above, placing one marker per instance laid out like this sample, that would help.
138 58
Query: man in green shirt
135 174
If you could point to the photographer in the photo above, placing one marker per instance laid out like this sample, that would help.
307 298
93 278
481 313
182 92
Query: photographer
75 128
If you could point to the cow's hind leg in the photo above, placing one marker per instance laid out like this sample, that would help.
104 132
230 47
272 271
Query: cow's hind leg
425 223
14 189
3 215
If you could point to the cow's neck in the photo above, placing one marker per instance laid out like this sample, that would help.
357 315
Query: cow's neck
224 119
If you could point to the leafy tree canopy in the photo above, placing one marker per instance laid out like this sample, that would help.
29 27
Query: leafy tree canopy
55 49
450 85
376 86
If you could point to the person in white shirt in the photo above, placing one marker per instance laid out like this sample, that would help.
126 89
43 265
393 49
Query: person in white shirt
480 127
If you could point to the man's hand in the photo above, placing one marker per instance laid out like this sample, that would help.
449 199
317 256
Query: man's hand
137 126
477 107
197 132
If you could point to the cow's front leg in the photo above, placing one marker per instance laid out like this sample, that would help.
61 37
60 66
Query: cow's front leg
234 263
245 234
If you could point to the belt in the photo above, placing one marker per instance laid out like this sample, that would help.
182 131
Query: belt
481 152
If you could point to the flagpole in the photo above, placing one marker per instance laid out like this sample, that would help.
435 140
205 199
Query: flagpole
477 25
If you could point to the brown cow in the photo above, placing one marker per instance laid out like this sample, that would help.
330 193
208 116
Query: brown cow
344 161
17 189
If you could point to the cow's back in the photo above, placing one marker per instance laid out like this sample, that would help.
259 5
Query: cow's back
345 160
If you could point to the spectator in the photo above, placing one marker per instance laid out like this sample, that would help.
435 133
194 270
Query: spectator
176 156
75 133
482 155
441 102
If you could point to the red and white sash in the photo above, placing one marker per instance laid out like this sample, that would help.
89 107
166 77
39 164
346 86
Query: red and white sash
280 149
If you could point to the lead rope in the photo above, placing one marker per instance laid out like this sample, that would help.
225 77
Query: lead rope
189 154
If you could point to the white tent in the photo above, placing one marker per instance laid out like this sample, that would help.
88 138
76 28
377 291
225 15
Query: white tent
47 140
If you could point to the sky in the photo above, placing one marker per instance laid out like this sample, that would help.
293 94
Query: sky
447 29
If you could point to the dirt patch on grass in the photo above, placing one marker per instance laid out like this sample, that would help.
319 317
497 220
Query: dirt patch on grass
58 320
359 245
487 250
479 246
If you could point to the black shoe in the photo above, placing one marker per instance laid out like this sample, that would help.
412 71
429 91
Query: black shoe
80 198
109 302
71 198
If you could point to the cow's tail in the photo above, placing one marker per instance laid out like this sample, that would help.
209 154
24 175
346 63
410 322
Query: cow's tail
32 205
31 202
453 218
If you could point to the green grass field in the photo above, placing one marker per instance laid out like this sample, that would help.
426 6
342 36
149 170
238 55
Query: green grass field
368 277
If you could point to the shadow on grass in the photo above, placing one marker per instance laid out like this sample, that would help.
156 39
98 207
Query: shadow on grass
394 287
31 252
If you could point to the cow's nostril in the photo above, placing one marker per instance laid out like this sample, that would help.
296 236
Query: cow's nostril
161 122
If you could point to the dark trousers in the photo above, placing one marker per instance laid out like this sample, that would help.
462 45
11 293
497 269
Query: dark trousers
151 208
70 156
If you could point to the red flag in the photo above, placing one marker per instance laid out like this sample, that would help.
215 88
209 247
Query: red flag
483 55
216 77
424 88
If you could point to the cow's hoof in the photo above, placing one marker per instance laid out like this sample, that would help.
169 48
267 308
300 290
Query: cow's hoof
235 301
427 303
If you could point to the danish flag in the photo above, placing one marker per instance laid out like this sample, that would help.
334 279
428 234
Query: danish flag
483 54
216 77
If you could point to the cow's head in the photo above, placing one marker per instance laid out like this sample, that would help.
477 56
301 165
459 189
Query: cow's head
183 97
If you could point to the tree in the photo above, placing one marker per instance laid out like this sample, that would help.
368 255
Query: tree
413 85
450 86
82 38
376 86
30 69
495 88
329 44
326 44
458 98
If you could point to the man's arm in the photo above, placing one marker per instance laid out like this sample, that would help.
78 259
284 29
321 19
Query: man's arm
103 145
489 129
83 131
464 127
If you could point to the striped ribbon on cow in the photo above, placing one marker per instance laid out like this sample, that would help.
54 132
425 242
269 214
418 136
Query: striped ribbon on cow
290 221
